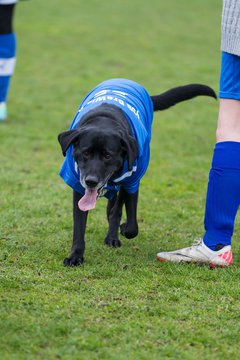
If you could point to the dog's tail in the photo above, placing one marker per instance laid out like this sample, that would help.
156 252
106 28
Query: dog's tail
180 93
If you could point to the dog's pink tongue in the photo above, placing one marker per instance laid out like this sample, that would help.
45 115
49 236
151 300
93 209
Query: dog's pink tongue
88 201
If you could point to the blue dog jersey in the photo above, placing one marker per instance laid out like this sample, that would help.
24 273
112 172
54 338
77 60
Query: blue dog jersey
137 106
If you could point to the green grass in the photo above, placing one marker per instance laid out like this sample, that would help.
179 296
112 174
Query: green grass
121 304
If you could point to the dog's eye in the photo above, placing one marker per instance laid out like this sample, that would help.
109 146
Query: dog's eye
86 153
106 155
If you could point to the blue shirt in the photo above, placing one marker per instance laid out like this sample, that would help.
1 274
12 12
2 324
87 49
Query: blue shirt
137 106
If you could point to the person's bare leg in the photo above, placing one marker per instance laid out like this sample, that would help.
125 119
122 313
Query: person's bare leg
228 128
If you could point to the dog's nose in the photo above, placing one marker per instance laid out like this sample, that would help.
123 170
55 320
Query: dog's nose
91 181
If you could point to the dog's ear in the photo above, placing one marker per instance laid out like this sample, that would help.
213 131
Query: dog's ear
67 138
130 146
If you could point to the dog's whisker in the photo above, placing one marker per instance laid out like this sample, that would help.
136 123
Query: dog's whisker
100 190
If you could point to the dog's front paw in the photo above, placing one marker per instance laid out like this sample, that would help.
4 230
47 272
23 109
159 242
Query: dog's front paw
127 231
73 260
112 242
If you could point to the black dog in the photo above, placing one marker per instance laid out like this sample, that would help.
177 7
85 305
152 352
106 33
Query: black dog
105 153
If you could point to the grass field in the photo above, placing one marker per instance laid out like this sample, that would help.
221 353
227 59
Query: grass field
121 304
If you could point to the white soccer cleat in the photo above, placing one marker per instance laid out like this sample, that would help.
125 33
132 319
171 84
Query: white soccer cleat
3 111
199 253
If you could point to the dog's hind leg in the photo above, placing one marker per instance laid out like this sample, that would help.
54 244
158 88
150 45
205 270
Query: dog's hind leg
129 229
79 226
114 214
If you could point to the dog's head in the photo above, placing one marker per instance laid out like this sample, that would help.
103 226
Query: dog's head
101 144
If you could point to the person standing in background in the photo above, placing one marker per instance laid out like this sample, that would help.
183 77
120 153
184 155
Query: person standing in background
223 194
7 52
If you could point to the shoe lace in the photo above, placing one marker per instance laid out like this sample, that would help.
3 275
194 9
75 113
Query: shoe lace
196 242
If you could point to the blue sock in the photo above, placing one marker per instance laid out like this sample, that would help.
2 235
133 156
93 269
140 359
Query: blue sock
223 195
7 63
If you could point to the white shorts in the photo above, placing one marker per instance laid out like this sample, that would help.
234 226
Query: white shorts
7 2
